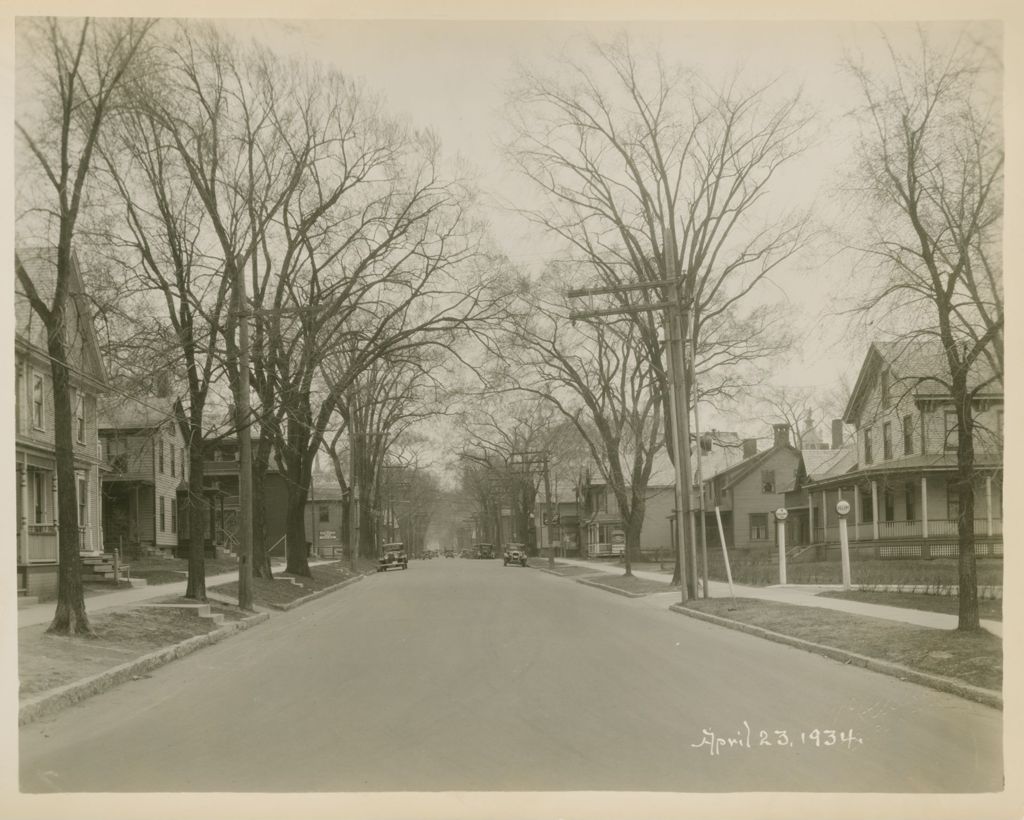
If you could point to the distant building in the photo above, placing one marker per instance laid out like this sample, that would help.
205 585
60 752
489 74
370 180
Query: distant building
145 483
601 523
748 489
220 484
325 515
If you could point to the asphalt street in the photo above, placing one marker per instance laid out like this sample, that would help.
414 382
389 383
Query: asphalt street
462 675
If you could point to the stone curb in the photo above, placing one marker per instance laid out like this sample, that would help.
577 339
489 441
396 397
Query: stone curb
318 594
951 686
55 700
607 588
558 574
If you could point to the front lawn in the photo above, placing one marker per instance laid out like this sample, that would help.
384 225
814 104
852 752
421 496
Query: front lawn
285 588
154 570
630 583
973 657
947 604
48 661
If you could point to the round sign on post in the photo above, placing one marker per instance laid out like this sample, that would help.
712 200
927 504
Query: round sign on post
843 508
781 514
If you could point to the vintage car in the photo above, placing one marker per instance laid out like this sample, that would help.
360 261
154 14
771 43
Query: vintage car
392 556
515 554
484 550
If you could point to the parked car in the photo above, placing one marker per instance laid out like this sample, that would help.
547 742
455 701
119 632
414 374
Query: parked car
515 554
392 556
484 550
449 553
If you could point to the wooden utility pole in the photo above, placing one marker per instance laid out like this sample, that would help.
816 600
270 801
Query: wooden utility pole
353 504
242 420
547 512
700 484
675 321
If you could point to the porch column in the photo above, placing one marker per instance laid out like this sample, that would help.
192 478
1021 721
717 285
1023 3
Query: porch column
874 508
810 516
856 512
824 514
988 505
924 506
53 511
23 521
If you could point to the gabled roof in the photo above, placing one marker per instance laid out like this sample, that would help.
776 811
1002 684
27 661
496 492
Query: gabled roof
40 265
918 366
144 413
822 464
726 450
736 472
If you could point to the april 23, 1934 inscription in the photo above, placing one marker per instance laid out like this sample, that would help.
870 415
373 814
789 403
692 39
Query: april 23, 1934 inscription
749 738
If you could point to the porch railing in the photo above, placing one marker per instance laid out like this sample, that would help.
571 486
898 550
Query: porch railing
42 544
937 528
602 549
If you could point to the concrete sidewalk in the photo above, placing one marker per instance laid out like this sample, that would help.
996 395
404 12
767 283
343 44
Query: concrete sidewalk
43 613
806 595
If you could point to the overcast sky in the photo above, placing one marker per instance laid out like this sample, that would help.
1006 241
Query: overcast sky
452 77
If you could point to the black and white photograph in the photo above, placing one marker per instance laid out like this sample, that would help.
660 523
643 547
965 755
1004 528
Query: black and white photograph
512 411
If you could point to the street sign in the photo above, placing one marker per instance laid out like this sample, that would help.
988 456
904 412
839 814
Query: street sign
781 514
843 507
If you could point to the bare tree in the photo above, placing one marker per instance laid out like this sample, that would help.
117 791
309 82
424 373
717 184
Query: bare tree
652 174
159 235
599 377
81 65
509 438
931 167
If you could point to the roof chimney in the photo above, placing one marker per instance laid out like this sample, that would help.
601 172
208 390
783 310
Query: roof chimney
837 434
749 447
781 434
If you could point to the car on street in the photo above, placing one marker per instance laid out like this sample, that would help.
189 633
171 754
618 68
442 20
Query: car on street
515 554
392 556
484 550
449 553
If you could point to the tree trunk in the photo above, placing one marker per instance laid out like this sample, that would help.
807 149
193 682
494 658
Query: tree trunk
633 526
197 522
298 563
70 617
260 556
368 521
967 564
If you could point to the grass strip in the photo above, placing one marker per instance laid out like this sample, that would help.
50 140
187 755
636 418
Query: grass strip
990 610
973 657
630 583
285 588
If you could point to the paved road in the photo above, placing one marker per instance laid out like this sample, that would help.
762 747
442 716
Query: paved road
465 675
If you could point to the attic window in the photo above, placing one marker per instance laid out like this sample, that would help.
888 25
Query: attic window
886 391
768 481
